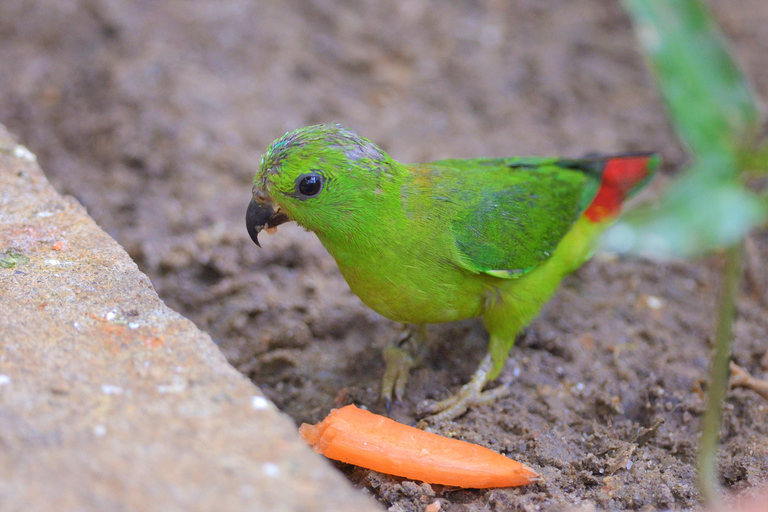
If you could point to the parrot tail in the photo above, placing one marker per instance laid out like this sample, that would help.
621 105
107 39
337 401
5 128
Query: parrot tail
623 176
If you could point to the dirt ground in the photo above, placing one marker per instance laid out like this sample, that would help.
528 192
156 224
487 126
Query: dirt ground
154 115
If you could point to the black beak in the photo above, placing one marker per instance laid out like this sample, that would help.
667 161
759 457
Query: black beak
261 214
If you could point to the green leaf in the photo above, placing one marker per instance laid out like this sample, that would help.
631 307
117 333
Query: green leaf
701 212
711 105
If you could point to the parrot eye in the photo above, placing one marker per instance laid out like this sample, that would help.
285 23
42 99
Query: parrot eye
309 185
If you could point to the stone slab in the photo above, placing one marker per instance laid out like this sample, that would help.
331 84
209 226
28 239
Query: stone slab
109 400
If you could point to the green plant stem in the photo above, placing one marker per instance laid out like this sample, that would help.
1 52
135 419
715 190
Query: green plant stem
718 378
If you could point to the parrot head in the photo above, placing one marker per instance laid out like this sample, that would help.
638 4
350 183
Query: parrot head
318 176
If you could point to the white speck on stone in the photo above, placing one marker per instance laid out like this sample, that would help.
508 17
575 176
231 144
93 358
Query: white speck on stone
516 371
654 302
76 325
108 389
44 215
133 325
99 430
24 154
629 464
178 385
270 469
53 262
4 380
579 386
259 403
111 315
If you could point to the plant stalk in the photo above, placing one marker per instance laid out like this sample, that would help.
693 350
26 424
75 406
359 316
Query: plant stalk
718 377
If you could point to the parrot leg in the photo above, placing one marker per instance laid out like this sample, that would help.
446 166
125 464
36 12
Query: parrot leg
503 322
399 361
470 394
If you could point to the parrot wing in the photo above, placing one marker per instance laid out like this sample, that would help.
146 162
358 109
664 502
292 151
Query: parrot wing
513 212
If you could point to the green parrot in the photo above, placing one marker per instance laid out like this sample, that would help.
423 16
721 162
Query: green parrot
446 240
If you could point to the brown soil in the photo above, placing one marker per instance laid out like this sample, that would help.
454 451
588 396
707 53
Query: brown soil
154 115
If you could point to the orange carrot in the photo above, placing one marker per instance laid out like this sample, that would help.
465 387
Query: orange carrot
365 439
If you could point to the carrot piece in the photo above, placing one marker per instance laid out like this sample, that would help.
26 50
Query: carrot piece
371 441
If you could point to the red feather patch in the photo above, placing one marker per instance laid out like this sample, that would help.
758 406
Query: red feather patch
620 176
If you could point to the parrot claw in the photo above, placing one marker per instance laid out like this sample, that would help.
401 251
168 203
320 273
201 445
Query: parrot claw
398 364
399 361
470 394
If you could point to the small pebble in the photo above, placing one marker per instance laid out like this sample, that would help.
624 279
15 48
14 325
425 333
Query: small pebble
654 302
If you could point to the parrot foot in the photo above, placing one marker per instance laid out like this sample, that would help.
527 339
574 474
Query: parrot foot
399 362
470 394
